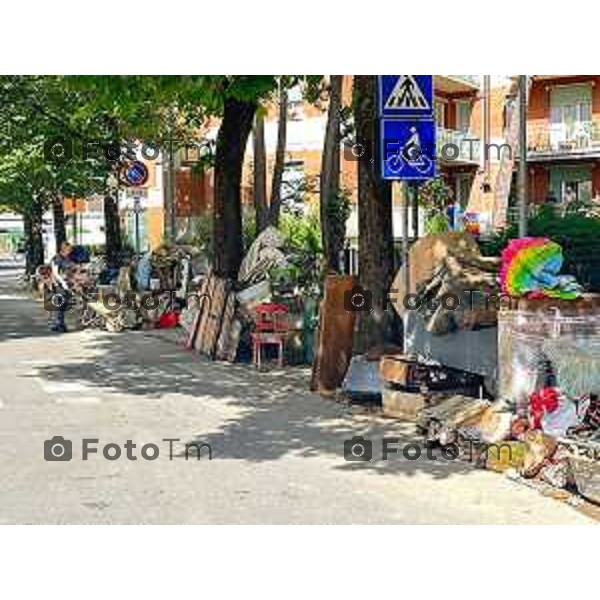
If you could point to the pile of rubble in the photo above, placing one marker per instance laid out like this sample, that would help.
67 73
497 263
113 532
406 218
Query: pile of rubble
221 310
553 439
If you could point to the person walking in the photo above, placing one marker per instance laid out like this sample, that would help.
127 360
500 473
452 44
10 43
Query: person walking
61 263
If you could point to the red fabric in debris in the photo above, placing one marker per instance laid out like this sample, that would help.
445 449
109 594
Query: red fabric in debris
168 320
540 402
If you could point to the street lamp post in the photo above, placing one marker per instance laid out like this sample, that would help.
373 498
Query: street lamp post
522 173
137 209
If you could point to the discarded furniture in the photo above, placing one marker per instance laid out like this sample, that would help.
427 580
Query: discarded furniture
270 329
213 331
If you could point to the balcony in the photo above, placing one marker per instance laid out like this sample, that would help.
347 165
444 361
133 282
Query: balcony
456 84
563 140
469 147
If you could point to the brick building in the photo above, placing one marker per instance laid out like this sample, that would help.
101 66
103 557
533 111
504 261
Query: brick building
462 113
563 137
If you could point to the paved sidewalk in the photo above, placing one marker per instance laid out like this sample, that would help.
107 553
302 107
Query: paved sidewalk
277 449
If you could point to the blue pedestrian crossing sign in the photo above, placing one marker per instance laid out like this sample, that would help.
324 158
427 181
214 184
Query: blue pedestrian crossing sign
406 96
408 149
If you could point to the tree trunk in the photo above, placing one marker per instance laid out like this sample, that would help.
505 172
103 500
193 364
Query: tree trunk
229 157
27 230
112 230
375 238
275 206
32 222
333 233
58 213
260 173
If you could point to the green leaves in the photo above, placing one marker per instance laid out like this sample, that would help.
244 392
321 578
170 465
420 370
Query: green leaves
35 109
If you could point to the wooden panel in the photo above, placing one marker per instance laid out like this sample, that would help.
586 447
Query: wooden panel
336 330
215 314
225 342
190 343
394 369
204 317
402 405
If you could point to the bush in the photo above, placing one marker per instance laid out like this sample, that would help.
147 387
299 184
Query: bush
302 235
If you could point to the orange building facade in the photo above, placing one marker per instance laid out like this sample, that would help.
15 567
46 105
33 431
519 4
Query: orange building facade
563 137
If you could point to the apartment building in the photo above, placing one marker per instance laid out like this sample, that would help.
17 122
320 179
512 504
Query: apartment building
462 113
457 100
563 137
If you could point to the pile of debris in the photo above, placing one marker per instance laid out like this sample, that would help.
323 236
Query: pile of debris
221 310
553 439
410 386
451 284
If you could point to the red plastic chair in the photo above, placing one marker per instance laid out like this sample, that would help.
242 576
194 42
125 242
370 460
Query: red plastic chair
270 328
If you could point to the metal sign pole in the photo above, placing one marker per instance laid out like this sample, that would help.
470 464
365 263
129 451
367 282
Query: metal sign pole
522 173
415 209
136 221
408 150
405 258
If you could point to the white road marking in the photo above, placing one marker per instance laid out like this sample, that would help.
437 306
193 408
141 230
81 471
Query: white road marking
78 400
36 361
62 387
1 404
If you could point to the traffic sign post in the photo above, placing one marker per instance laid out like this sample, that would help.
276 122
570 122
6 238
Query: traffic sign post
407 149
406 96
136 173
407 135
407 138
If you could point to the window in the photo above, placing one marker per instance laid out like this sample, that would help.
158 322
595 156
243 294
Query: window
571 181
570 115
440 113
463 115
464 183
581 190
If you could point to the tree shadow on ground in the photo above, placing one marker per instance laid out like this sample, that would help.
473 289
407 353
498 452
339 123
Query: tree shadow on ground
20 315
275 414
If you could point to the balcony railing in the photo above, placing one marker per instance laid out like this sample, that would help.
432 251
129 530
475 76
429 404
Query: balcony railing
578 137
469 146
472 79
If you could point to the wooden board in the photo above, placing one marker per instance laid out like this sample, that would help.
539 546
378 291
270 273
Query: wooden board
191 340
335 335
402 405
204 317
225 342
395 369
214 317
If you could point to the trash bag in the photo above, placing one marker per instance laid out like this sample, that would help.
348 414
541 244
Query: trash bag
557 422
80 255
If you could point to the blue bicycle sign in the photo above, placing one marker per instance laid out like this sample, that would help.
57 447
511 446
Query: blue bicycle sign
408 149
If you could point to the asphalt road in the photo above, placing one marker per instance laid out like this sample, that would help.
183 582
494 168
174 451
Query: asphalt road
277 450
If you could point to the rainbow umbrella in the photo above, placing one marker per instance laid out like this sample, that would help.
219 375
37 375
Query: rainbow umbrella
530 267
